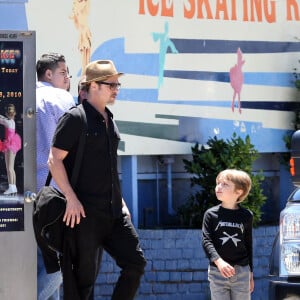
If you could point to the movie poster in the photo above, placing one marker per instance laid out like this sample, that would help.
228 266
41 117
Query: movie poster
11 136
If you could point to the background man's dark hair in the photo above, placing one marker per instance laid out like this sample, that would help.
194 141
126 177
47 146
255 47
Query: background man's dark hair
48 61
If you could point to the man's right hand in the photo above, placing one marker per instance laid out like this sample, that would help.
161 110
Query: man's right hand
74 211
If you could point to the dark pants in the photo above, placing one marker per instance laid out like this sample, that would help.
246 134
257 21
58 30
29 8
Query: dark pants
116 236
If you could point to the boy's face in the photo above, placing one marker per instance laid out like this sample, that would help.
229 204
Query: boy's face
225 190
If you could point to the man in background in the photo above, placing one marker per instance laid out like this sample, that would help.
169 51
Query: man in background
82 90
52 100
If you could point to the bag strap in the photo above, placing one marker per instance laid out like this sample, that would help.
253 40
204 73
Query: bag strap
79 153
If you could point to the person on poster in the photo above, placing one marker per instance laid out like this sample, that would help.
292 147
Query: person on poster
52 100
80 12
10 146
227 238
96 217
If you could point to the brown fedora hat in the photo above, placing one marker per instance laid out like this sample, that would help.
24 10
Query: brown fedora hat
100 70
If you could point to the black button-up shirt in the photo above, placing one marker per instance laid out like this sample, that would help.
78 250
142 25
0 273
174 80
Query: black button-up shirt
98 185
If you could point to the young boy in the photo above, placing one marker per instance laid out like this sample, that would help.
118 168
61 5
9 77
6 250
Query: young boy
227 238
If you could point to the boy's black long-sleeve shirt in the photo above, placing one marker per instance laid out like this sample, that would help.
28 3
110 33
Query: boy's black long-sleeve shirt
227 233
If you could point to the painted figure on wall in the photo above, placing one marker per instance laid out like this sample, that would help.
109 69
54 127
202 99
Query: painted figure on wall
80 12
165 43
237 79
10 146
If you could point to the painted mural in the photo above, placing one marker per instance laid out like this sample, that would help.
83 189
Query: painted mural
194 68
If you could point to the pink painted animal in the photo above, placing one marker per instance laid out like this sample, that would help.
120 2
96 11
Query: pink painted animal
237 79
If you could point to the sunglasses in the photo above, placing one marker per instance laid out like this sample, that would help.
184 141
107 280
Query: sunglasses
112 85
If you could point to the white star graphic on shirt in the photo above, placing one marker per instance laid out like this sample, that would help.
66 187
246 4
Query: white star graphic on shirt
229 237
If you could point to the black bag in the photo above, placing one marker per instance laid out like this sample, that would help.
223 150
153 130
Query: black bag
49 209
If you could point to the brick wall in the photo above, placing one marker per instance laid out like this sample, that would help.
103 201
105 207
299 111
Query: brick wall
177 266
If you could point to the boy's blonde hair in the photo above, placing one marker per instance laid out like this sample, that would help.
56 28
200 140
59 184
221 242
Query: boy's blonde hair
240 179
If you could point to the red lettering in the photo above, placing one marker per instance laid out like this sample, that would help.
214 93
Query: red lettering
153 9
270 16
166 6
141 7
260 9
207 8
292 4
233 10
189 10
7 54
167 11
221 7
257 6
12 54
245 13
